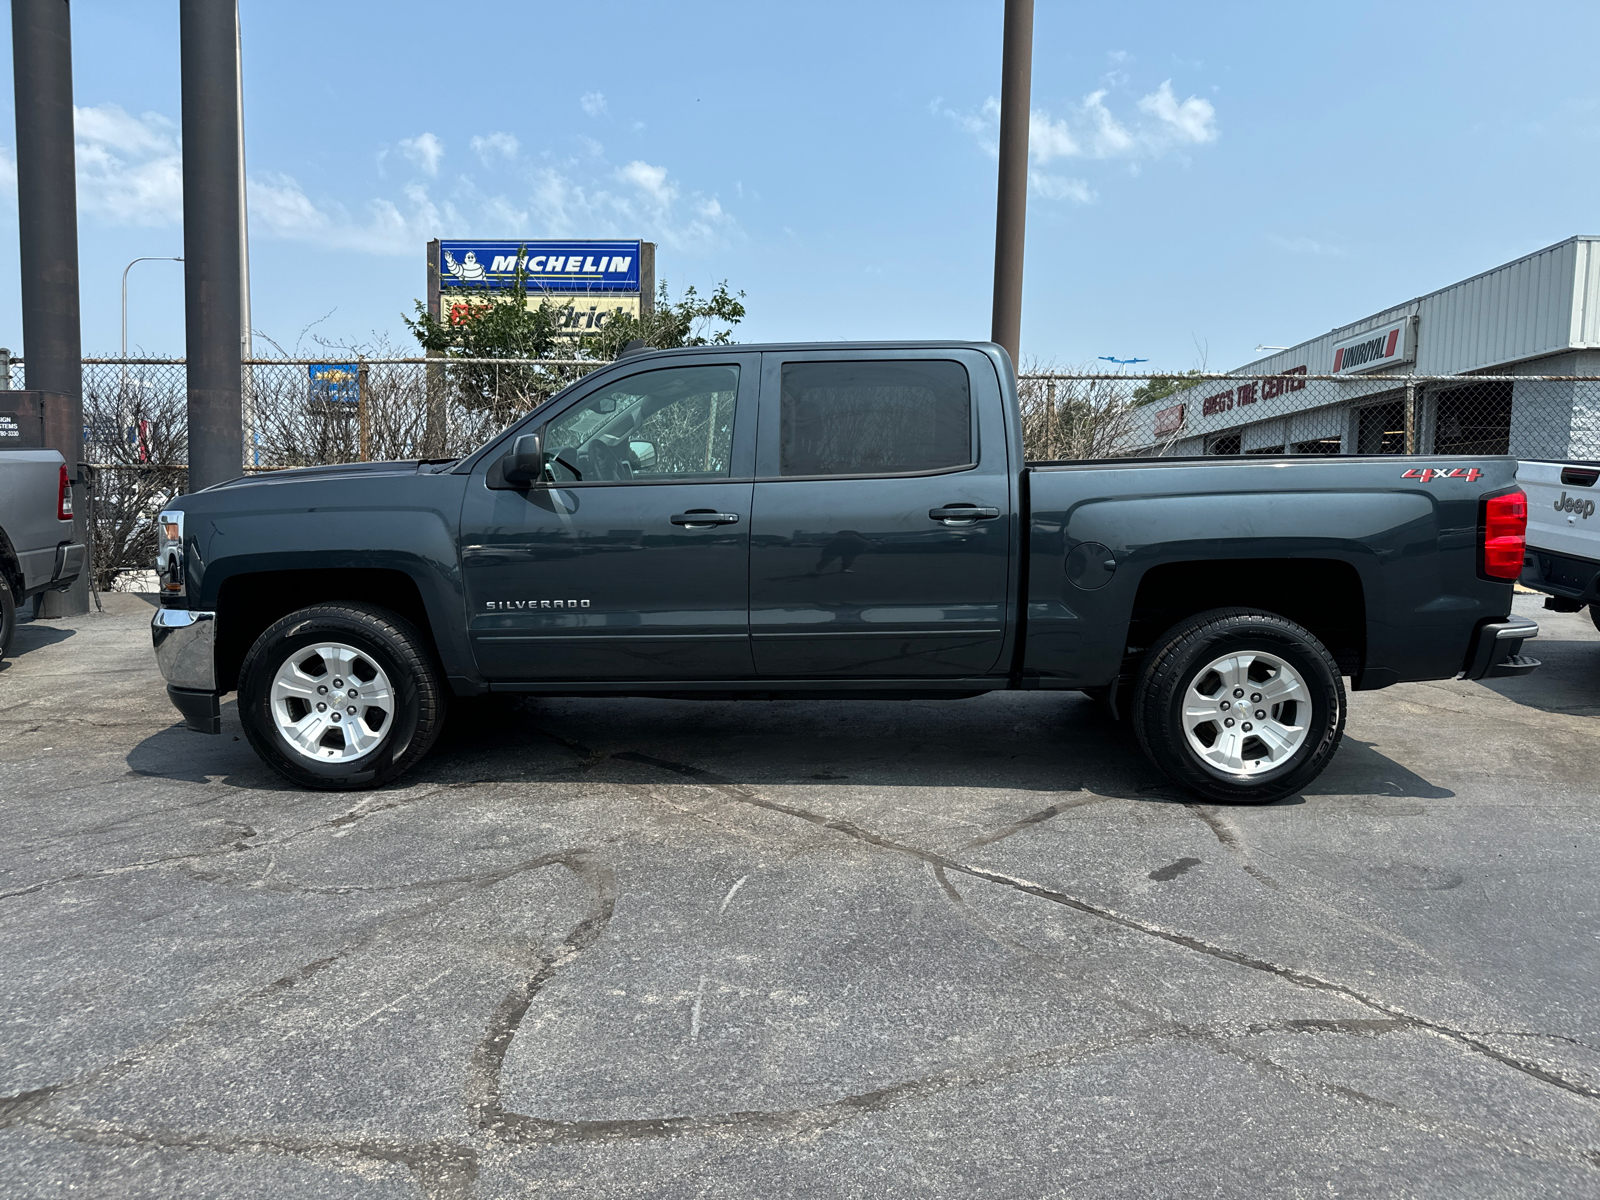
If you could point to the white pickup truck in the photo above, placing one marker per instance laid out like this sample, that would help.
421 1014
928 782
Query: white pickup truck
37 551
1563 558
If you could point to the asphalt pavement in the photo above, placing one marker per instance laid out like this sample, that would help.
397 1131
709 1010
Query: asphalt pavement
796 949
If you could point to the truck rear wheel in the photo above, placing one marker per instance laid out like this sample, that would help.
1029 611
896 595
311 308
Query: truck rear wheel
340 696
1242 707
8 615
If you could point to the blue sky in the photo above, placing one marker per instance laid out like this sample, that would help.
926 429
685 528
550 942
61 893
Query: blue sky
1206 177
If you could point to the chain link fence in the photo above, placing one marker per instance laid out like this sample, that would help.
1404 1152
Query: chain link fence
301 412
296 413
1068 416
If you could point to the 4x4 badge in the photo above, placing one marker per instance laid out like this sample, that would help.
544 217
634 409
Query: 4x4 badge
1428 474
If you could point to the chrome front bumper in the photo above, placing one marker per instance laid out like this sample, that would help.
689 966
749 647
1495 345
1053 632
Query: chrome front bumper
185 642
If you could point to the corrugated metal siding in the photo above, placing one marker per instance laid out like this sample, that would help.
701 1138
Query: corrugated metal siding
1586 309
1544 303
1521 310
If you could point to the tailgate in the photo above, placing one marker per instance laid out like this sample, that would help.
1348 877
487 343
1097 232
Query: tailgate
1563 499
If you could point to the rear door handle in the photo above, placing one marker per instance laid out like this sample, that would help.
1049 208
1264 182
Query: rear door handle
704 518
963 512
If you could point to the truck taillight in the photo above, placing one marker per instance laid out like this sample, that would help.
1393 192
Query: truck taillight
1505 534
64 497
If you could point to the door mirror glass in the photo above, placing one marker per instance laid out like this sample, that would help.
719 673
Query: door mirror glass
645 454
525 464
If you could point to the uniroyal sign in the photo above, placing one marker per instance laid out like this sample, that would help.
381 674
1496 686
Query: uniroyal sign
1385 346
1245 394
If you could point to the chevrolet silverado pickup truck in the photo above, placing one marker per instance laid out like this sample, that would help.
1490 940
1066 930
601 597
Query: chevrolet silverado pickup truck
37 549
833 521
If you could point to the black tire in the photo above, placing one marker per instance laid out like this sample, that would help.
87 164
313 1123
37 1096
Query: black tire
1594 614
8 615
1189 648
394 645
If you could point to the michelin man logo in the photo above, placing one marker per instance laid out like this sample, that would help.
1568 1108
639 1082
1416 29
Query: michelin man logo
468 270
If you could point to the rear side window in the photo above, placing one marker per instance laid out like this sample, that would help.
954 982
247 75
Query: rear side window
874 418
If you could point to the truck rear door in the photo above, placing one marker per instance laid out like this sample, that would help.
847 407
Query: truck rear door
882 516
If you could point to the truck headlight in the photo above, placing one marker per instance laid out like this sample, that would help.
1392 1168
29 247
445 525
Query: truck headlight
169 553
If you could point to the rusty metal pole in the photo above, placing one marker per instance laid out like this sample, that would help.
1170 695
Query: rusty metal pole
1411 418
208 35
47 220
363 415
1050 419
1011 208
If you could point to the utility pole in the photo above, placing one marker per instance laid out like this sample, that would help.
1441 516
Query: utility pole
208 33
47 222
246 341
1011 208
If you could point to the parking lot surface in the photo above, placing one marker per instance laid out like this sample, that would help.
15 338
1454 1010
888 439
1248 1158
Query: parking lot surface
654 948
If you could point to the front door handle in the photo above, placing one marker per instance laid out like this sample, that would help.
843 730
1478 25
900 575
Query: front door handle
962 513
704 518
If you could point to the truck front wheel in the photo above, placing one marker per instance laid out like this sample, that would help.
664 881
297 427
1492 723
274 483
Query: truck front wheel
1242 707
340 696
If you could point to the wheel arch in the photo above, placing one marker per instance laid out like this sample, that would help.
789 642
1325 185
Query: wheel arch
1323 595
250 602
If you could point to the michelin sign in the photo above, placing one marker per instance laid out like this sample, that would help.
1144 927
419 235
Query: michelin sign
587 281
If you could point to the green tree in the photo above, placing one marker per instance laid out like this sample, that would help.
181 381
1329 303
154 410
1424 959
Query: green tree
490 324
1163 386
692 320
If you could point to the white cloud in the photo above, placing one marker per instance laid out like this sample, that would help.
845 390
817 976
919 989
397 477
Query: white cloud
1058 187
578 198
1160 124
130 169
652 181
1305 245
594 103
1048 139
425 150
280 207
491 147
1193 120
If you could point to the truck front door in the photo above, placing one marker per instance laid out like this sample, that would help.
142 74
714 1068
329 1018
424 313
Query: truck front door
881 536
631 559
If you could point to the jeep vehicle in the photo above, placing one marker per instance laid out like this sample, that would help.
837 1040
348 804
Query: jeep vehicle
1563 534
849 520
37 550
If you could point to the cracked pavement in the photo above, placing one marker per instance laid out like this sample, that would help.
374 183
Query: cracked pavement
657 948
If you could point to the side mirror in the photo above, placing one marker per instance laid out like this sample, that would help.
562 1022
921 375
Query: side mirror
645 452
525 464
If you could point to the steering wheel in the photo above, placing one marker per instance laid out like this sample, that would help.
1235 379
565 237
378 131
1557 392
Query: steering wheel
609 459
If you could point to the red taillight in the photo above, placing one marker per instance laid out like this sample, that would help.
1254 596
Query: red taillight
64 498
1505 535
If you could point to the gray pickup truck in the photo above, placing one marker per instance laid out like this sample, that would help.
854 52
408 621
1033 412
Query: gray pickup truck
37 550
845 521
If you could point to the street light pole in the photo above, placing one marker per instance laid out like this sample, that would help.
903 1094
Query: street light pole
1011 208
125 270
122 395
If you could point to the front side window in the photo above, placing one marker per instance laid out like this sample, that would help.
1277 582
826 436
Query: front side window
675 423
874 418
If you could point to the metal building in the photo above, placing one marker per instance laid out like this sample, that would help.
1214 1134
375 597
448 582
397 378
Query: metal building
1537 316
